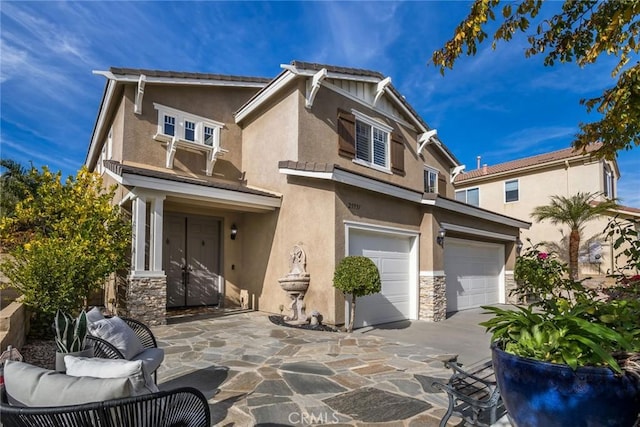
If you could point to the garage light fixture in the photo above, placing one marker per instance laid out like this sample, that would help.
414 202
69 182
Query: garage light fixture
440 238
234 232
519 246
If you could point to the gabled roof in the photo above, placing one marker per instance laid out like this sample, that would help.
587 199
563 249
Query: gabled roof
528 163
309 69
116 77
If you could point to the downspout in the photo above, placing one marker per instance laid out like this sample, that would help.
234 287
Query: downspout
566 167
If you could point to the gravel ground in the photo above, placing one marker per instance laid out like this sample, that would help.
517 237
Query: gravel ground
40 353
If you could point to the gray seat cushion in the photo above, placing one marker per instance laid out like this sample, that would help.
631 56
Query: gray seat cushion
28 385
151 358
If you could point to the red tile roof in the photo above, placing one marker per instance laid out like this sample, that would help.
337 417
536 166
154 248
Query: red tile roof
527 162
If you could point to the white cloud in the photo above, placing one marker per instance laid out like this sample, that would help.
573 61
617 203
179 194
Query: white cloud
360 31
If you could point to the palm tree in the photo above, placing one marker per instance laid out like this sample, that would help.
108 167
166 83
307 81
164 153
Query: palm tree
574 211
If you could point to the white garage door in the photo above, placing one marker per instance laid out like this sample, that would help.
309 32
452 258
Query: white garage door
391 254
473 273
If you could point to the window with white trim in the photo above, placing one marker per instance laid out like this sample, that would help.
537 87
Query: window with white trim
470 196
180 130
511 191
372 142
430 180
608 182
183 126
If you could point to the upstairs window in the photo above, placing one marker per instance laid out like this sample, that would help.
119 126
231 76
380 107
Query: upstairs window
180 130
430 180
608 183
169 125
209 134
189 130
178 125
511 191
470 196
372 142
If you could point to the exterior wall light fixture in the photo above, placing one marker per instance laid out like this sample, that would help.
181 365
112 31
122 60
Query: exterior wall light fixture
234 232
440 238
519 246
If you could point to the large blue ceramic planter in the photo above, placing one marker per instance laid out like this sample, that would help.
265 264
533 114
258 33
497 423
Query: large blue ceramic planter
541 394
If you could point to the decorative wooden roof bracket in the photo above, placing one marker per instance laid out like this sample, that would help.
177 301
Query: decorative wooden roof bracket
380 87
140 94
316 81
212 157
425 139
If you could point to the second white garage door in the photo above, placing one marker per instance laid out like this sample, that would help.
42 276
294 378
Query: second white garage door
474 273
392 256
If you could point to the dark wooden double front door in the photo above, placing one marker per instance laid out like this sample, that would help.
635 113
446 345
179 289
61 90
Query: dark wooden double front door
191 259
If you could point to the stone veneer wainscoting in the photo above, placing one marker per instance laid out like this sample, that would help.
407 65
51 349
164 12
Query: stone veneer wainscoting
145 299
433 298
509 284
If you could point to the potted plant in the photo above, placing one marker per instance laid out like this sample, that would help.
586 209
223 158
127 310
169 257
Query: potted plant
570 357
71 334
357 276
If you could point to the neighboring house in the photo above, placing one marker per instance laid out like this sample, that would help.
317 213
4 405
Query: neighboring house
224 175
515 188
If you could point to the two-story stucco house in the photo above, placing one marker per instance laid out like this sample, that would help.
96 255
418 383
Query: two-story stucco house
224 175
516 187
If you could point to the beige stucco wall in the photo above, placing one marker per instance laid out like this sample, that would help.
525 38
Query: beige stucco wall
535 189
216 103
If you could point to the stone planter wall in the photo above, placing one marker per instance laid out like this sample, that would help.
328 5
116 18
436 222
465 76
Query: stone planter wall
14 326
433 298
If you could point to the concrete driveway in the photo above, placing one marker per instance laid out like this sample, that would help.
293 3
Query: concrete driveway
256 373
459 334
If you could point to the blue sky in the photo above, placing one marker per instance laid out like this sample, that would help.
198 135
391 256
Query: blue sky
497 104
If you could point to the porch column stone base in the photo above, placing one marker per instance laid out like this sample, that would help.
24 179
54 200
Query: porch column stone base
145 299
433 298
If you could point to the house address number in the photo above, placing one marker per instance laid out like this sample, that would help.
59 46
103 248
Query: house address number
354 206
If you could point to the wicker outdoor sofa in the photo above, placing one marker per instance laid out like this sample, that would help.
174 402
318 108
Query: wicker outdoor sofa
182 407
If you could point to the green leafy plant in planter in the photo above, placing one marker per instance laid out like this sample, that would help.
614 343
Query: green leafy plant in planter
357 276
566 323
568 333
71 334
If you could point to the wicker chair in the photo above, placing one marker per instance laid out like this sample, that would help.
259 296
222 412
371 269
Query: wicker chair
181 407
106 350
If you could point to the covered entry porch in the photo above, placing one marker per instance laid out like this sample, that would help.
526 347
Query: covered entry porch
181 231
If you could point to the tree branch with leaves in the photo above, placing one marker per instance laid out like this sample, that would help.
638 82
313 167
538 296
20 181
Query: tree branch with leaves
582 32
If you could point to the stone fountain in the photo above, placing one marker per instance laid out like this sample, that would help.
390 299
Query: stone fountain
295 284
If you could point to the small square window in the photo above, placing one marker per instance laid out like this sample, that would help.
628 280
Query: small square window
511 192
430 181
208 136
189 130
169 125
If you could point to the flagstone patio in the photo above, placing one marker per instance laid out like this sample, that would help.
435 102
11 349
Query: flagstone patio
254 372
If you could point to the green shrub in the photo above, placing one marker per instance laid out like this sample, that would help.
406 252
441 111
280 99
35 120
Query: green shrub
356 276
64 240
